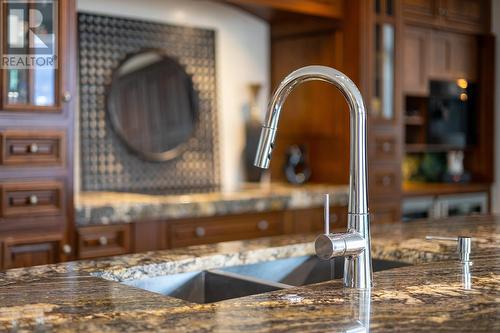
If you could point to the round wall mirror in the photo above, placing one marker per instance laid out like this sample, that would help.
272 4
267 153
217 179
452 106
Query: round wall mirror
152 105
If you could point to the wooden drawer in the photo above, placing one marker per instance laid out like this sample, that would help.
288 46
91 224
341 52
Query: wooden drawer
385 147
31 250
385 179
312 220
388 211
27 148
33 198
103 241
225 228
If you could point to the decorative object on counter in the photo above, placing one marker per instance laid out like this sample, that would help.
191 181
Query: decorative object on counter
297 170
252 131
152 105
107 163
455 172
353 245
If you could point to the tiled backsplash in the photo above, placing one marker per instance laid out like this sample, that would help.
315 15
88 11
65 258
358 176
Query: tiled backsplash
106 164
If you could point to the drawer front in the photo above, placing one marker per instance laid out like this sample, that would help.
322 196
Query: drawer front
385 179
225 228
103 241
312 220
25 148
386 212
31 250
385 147
34 198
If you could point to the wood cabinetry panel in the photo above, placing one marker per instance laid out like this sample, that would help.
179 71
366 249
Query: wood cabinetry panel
27 198
28 148
458 15
102 241
31 250
387 211
385 179
225 228
416 61
453 56
312 220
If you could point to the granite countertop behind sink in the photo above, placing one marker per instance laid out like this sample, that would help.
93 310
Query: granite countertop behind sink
428 296
114 207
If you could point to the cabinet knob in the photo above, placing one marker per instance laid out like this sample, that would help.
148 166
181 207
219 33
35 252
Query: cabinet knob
263 225
386 181
33 199
66 97
103 240
33 148
200 231
386 147
66 249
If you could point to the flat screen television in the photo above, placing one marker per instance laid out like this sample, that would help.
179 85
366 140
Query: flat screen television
452 113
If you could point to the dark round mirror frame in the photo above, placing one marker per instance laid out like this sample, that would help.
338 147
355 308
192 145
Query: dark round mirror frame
151 156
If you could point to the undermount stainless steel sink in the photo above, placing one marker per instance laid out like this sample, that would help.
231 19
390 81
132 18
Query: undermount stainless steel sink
206 286
239 281
300 271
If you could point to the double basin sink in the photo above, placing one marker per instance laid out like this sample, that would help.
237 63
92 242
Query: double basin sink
238 281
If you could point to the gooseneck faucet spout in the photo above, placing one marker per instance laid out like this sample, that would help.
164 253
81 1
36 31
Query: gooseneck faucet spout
355 243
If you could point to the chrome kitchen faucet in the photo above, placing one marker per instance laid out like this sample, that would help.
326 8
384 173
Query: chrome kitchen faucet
354 244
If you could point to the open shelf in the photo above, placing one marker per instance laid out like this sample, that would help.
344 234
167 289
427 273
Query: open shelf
431 148
415 120
413 189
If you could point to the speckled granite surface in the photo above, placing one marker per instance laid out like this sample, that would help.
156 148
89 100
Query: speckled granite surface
427 297
112 207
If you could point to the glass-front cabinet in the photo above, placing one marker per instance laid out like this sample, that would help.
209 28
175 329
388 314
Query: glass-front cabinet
31 67
382 99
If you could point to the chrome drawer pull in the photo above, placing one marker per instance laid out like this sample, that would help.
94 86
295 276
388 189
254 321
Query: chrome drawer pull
200 231
33 200
33 148
263 225
103 241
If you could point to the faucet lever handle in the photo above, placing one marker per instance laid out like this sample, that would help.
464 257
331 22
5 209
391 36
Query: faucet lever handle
326 209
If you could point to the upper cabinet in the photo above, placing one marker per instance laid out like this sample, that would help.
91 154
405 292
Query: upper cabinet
459 15
436 55
32 80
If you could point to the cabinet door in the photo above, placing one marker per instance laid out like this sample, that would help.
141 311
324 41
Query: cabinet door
31 80
441 54
31 250
416 61
468 15
420 11
453 56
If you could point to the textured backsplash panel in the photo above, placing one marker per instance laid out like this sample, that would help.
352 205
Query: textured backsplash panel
106 163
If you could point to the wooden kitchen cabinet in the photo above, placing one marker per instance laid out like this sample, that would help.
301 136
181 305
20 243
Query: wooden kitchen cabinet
37 123
311 220
31 250
470 16
416 60
103 241
225 228
453 56
436 55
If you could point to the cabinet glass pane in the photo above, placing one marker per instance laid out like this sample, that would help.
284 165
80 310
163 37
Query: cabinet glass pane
31 41
382 105
17 86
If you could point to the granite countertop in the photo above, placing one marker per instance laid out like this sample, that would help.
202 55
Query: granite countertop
428 296
94 208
